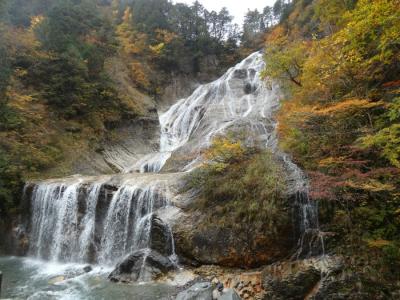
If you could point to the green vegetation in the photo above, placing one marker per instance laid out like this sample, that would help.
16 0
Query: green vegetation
241 188
339 62
159 37
55 92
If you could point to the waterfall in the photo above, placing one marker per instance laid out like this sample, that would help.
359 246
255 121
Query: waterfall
75 221
89 222
54 219
91 219
238 99
305 210
128 221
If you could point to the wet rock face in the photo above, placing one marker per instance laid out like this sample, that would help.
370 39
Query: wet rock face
14 239
296 286
142 265
229 247
15 233
240 74
198 291
207 291
179 87
319 279
247 285
160 237
229 294
348 285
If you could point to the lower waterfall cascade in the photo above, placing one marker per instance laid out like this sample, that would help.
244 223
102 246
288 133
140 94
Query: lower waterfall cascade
102 219
82 221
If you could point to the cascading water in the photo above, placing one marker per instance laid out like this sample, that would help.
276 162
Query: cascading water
89 222
54 219
73 220
128 221
83 219
305 210
239 99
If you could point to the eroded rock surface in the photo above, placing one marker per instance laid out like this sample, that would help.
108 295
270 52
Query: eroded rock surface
198 291
201 241
161 239
142 265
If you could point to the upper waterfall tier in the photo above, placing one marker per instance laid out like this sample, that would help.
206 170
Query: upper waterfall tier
240 99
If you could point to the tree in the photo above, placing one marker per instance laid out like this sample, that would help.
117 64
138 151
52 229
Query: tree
268 17
67 24
253 28
134 47
329 13
284 59
5 61
277 9
224 23
150 15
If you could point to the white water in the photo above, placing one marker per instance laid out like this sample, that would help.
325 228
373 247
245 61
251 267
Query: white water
89 222
127 224
240 99
73 220
33 279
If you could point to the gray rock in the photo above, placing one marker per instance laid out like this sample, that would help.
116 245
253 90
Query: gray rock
198 291
87 268
240 74
160 236
226 246
142 265
295 286
343 286
229 294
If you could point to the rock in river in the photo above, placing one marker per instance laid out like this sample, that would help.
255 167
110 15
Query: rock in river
141 265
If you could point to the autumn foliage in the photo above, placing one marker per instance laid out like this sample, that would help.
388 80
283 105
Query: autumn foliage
340 119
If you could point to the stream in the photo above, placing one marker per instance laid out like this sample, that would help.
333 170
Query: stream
27 278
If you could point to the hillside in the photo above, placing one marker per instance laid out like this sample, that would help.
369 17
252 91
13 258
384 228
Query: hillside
339 62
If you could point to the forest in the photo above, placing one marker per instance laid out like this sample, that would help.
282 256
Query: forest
340 64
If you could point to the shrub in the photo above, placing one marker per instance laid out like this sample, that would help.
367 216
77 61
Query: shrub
241 186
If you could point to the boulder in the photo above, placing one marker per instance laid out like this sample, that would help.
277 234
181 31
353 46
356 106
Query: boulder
87 269
229 294
198 291
349 285
294 286
203 241
57 279
161 237
240 74
141 265
313 278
